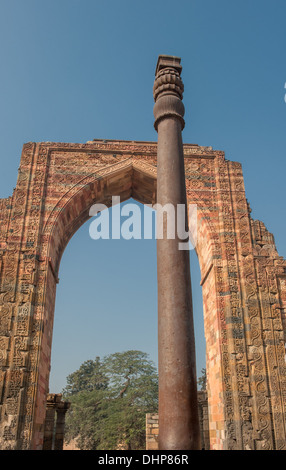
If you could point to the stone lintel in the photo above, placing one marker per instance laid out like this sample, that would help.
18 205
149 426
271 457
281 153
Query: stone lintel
166 61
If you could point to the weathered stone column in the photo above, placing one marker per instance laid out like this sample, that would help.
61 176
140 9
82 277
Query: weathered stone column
178 409
61 410
52 401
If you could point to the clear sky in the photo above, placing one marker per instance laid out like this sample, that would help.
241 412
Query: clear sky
74 70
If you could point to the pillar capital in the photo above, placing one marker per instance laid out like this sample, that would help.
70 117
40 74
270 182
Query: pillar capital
168 90
53 399
63 407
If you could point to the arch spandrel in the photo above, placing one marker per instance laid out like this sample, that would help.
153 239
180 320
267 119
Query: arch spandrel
126 179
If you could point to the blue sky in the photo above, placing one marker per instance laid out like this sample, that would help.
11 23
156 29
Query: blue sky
74 70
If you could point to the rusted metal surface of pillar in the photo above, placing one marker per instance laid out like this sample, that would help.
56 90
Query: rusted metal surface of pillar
178 408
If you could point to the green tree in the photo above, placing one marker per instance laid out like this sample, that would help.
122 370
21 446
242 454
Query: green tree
87 378
110 398
202 380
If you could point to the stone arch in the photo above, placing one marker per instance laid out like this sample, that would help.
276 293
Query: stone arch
243 282
127 179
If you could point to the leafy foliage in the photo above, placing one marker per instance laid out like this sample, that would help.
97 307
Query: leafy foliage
202 380
87 378
109 400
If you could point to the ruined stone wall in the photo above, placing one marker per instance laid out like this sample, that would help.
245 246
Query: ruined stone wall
152 425
152 431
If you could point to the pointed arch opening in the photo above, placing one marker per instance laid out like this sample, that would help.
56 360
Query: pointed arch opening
128 181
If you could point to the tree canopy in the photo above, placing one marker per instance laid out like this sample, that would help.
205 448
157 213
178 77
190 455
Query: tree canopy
109 401
202 380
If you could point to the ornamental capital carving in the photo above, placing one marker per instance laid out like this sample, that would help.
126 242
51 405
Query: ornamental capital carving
168 77
168 90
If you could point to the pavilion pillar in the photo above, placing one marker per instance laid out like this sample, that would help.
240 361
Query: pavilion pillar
61 410
55 430
52 401
178 407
